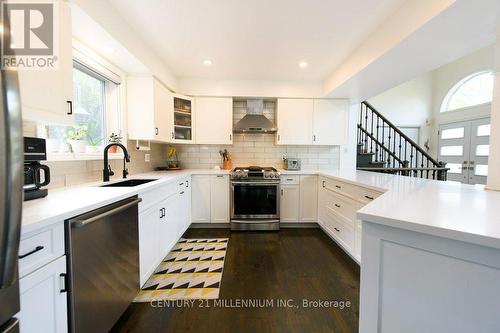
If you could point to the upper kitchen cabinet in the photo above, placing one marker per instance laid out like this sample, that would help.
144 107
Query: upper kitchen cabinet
311 122
214 120
150 105
183 126
294 118
329 122
47 94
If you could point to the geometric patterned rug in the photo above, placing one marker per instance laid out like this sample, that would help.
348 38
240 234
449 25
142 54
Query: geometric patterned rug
192 270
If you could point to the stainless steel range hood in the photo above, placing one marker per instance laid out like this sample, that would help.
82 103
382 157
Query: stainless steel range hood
255 121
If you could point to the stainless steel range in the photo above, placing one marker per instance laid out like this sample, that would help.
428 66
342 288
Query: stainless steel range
255 198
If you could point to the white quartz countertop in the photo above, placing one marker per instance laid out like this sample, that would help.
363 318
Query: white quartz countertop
65 203
445 209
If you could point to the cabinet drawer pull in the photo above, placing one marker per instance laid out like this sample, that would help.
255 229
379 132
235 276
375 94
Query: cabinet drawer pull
337 230
281 192
63 287
187 183
220 176
156 130
181 184
38 248
324 183
337 205
70 107
182 192
369 197
338 186
289 179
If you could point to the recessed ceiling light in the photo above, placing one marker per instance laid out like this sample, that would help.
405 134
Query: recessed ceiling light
303 64
207 62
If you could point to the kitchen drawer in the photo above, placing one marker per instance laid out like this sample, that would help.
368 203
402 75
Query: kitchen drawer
183 184
363 194
342 206
345 234
290 179
366 195
152 197
39 248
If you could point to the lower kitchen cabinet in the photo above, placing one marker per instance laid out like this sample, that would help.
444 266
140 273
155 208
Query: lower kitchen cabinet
149 241
308 210
170 224
338 203
44 299
162 223
210 199
219 202
200 209
289 203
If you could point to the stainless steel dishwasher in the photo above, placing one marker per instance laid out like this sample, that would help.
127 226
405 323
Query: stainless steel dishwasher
102 249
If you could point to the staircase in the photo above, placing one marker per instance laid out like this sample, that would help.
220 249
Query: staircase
382 147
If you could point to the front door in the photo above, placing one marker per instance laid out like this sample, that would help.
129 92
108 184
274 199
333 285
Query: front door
464 146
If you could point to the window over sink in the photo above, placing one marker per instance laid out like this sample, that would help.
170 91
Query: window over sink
96 112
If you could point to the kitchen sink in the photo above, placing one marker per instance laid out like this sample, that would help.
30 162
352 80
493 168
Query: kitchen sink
129 183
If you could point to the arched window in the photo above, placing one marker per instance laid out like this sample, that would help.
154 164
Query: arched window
473 90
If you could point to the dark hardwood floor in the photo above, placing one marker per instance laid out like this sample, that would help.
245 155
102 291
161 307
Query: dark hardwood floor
294 264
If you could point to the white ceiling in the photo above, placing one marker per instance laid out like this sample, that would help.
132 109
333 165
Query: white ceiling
254 39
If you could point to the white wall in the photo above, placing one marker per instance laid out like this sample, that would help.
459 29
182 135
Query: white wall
445 77
409 104
494 159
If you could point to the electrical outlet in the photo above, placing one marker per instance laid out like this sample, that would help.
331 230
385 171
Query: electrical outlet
147 157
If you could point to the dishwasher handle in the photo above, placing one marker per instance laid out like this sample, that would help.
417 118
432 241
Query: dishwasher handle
78 222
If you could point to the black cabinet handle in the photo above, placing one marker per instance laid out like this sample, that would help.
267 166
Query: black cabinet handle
187 183
64 283
172 135
70 107
182 192
38 248
156 130
324 183
230 137
337 230
162 213
338 186
337 205
368 197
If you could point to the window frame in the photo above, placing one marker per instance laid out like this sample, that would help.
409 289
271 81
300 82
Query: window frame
454 89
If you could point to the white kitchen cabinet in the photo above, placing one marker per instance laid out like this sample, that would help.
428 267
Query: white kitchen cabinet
311 122
329 122
149 110
289 203
214 120
149 241
294 120
170 223
308 198
338 203
219 202
47 94
183 129
200 198
44 300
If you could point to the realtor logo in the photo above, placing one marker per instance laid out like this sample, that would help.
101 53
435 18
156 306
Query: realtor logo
29 31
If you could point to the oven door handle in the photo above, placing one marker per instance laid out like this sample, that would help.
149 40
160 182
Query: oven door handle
255 183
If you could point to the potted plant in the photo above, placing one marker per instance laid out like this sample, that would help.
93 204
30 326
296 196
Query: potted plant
114 138
76 138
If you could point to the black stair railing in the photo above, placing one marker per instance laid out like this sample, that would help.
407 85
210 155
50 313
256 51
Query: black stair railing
394 150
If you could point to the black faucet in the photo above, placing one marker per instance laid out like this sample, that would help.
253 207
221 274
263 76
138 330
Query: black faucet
106 172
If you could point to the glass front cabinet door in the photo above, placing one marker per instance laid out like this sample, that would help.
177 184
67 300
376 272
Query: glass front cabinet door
183 119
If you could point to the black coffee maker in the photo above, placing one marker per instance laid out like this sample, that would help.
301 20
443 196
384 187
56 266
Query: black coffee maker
34 178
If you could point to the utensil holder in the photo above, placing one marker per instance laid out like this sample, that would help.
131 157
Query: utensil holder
227 165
